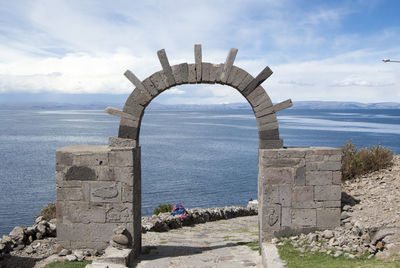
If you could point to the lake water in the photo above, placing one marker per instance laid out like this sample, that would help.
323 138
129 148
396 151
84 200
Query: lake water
195 158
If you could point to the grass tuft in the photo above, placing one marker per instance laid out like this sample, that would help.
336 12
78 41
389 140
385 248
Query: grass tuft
162 208
68 264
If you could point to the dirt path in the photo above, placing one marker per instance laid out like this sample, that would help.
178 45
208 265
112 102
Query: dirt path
224 243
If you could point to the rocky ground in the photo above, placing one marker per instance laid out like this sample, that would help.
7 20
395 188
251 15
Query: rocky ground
370 221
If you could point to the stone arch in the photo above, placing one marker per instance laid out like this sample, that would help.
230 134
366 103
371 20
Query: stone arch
202 73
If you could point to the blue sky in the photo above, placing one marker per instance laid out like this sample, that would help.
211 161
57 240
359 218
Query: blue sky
318 50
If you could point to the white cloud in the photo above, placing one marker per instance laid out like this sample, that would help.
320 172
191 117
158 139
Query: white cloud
85 46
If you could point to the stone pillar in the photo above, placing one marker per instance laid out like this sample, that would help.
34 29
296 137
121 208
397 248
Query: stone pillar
299 190
98 190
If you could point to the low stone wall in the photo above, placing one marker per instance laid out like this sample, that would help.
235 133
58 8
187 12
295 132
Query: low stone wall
165 221
299 190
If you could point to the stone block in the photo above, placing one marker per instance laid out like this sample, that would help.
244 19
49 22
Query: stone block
83 212
162 56
198 61
319 177
159 81
105 191
218 73
121 158
98 245
239 77
300 176
150 87
277 175
270 144
292 153
271 217
245 82
181 73
121 142
265 111
266 120
261 77
328 204
303 194
328 217
324 151
228 65
283 162
134 109
327 193
286 220
232 75
270 194
141 97
337 177
262 99
123 175
101 231
103 173
73 232
90 158
119 212
63 158
128 132
69 194
214 69
304 217
255 95
192 73
127 193
205 72
324 166
285 195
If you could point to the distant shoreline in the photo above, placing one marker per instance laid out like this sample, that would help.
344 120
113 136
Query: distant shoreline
306 105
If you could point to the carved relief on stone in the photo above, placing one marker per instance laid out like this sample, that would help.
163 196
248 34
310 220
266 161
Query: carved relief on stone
272 216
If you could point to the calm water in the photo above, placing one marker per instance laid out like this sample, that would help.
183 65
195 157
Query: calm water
198 159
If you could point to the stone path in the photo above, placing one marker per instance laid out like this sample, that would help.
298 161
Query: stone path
224 243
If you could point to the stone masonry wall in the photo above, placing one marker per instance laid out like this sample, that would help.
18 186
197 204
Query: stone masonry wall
98 189
299 190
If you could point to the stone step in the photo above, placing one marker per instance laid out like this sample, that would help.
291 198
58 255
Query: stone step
105 265
114 255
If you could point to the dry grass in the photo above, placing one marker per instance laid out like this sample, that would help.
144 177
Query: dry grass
357 162
48 212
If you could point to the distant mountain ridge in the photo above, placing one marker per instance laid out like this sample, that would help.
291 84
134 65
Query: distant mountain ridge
330 105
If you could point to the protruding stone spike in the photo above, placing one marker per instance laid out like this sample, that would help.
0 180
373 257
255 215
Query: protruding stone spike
283 105
134 80
162 56
119 113
261 77
228 64
198 61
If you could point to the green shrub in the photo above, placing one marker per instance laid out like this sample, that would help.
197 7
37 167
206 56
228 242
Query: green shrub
48 212
162 208
357 162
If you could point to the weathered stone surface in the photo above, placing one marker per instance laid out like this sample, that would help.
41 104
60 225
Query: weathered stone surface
141 97
300 176
80 173
271 217
228 64
181 73
245 82
270 144
278 175
319 177
239 77
337 177
121 158
150 87
326 165
138 84
121 142
283 105
304 217
105 191
71 194
159 81
215 72
192 73
303 194
328 217
328 193
134 109
162 56
286 217
198 61
205 72
232 75
261 77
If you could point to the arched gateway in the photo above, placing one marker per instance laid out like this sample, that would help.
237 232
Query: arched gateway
99 187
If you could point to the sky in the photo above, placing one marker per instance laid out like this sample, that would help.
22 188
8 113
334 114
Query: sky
318 50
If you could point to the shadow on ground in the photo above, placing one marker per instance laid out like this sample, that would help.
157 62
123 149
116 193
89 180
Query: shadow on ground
164 251
10 261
